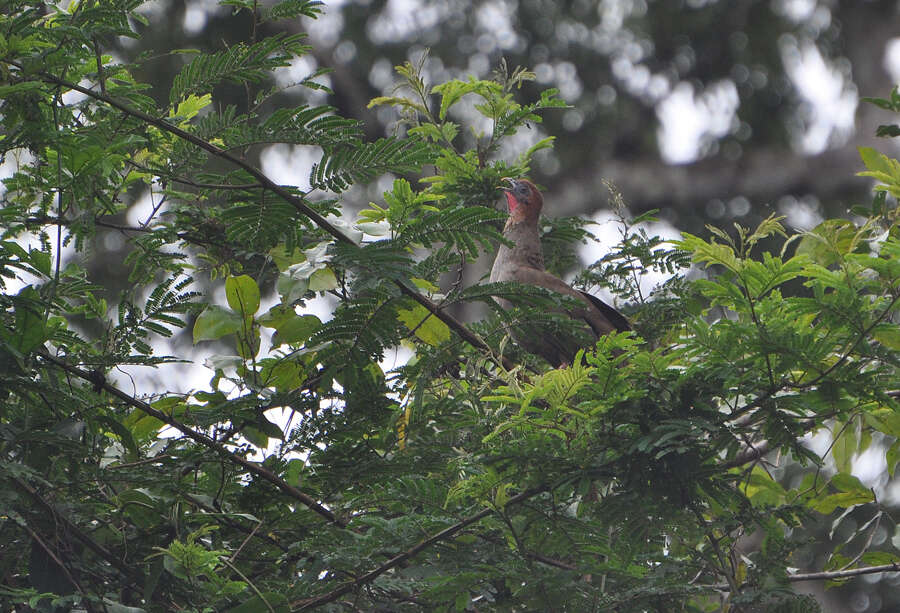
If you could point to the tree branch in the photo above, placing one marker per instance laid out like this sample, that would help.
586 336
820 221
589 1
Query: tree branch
894 567
749 454
136 577
259 471
444 534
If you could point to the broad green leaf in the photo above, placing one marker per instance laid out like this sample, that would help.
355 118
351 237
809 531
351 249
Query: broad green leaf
266 602
242 294
146 428
225 363
139 506
844 447
255 436
424 325
296 330
293 472
322 280
887 334
29 317
892 455
425 284
845 482
844 500
215 322
282 374
41 261
270 429
284 259
874 160
762 490
291 288
290 327
879 558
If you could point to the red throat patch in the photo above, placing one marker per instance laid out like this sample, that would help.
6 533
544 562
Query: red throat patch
511 202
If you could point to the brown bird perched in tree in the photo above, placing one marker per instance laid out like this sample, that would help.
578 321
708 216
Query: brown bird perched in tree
524 263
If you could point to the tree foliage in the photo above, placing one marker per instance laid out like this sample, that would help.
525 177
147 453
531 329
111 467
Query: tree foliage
469 478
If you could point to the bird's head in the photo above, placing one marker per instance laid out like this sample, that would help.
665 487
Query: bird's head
524 199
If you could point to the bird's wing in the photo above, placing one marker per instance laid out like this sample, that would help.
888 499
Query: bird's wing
615 318
602 318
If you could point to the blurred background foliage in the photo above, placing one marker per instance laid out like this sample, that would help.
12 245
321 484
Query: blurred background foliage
706 110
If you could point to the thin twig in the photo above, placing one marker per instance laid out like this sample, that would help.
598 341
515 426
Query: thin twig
893 567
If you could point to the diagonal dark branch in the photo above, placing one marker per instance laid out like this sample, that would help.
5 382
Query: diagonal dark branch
827 575
444 534
134 575
894 567
99 382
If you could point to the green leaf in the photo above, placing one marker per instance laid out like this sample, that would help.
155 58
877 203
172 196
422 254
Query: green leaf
879 558
452 91
405 103
293 472
266 602
242 294
215 322
190 106
290 327
139 506
846 482
241 63
892 455
270 429
828 242
18 88
255 436
322 280
888 131
844 500
874 160
284 259
762 490
362 162
425 325
283 375
41 261
887 334
844 447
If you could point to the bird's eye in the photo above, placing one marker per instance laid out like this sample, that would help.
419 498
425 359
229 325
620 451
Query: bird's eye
521 189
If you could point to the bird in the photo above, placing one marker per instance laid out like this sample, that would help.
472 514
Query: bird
523 263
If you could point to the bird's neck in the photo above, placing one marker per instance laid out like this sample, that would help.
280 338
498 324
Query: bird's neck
526 242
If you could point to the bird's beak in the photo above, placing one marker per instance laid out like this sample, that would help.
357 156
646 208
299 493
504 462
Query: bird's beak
509 180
